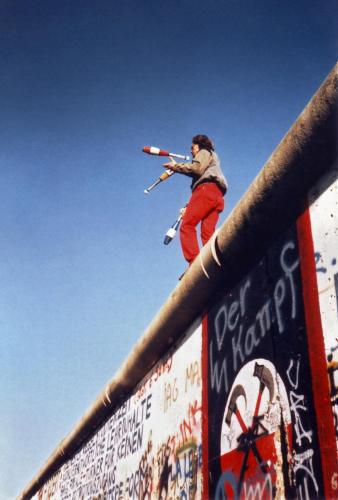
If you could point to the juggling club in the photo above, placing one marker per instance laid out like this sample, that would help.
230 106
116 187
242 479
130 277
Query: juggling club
152 150
170 234
162 177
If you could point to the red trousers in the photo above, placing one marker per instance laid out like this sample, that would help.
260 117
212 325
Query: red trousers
205 205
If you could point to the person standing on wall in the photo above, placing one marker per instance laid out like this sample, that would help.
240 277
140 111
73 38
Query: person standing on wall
207 200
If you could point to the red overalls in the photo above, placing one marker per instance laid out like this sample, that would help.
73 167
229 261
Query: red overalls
205 205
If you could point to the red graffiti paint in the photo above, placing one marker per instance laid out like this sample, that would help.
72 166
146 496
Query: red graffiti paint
250 471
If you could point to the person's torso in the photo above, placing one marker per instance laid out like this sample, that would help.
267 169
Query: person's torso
213 173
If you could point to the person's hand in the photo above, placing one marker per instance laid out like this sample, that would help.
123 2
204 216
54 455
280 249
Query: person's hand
169 165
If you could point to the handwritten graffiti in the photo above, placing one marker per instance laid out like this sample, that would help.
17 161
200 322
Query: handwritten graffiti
191 423
168 473
227 482
303 454
187 463
257 487
192 375
163 485
319 261
92 471
170 394
188 427
180 458
171 388
139 484
171 471
160 369
126 435
332 369
230 320
254 488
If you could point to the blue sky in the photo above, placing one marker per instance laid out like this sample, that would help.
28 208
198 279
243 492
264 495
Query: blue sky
83 87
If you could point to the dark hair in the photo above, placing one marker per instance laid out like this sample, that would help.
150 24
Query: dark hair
203 142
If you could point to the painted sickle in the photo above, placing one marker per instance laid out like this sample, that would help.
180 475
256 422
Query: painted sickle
232 409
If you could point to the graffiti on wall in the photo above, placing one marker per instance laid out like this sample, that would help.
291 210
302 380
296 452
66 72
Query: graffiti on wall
261 423
251 426
332 369
262 433
324 224
151 447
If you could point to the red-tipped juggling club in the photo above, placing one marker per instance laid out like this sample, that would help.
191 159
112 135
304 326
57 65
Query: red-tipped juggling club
151 150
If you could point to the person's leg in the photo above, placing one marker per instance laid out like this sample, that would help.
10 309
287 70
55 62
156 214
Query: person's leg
195 211
188 233
209 222
206 199
208 226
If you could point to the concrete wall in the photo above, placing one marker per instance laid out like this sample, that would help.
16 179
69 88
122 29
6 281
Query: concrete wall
232 391
270 349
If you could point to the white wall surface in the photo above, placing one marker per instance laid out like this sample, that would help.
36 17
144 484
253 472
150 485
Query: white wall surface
324 224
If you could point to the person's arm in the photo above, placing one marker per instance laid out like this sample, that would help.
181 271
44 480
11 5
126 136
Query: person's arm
198 165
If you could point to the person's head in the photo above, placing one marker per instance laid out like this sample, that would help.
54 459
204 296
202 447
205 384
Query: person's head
199 142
